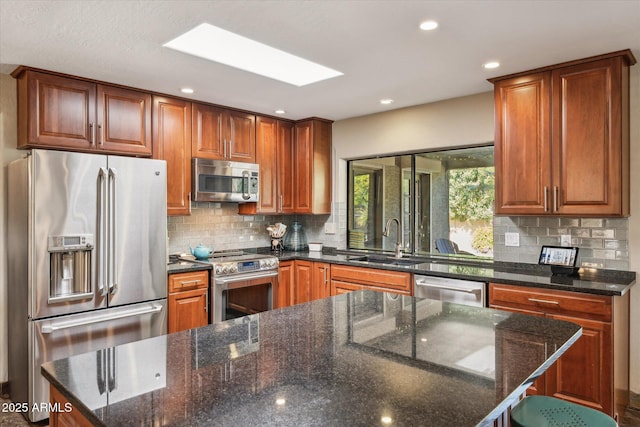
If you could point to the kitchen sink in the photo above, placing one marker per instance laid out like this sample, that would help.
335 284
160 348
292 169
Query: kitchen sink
386 260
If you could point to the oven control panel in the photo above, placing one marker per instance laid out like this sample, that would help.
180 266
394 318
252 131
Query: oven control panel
236 267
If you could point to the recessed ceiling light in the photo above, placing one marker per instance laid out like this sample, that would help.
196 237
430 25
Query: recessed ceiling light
386 101
491 65
280 401
225 47
186 90
386 420
428 25
280 112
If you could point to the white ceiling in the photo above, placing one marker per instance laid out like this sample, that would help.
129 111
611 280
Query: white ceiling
376 44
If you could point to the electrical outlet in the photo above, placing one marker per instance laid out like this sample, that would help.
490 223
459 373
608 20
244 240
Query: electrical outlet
512 239
565 240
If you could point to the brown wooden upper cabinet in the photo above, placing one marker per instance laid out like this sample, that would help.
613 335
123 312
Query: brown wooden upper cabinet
172 143
274 153
562 138
295 167
65 113
223 134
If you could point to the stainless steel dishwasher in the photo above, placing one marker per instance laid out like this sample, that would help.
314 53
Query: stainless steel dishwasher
464 292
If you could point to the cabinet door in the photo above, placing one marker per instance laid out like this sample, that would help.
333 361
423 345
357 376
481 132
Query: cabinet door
283 295
286 167
302 279
187 310
339 287
124 121
583 373
513 347
64 418
241 137
172 143
267 156
208 132
320 286
522 347
587 139
303 160
56 112
522 145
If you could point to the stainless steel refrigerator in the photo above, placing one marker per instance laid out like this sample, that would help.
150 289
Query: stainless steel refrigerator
87 240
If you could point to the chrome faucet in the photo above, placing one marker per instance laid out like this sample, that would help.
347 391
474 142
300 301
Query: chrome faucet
385 233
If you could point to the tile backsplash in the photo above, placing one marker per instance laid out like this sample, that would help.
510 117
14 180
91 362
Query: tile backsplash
603 242
220 227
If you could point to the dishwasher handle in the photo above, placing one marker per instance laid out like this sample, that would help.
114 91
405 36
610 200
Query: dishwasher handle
449 288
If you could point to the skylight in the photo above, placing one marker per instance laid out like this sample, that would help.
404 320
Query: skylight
215 44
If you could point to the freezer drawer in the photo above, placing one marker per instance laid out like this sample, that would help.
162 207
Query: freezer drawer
66 336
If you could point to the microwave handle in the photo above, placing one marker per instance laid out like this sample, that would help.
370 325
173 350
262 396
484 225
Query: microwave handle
245 185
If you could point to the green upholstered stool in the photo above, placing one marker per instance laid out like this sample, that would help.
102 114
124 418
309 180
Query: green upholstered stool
544 411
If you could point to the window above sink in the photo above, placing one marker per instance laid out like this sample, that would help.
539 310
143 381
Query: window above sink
439 196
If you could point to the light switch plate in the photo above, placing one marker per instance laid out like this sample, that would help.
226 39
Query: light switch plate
512 239
565 240
330 228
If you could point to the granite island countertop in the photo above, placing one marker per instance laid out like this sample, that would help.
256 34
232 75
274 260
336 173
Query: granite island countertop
350 360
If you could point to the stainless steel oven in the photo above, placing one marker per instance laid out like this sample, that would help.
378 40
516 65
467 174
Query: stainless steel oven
242 284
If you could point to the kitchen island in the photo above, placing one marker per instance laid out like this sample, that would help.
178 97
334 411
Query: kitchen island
363 358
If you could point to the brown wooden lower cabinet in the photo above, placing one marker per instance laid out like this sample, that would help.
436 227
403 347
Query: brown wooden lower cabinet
67 416
188 300
302 281
285 282
338 287
594 372
320 280
346 278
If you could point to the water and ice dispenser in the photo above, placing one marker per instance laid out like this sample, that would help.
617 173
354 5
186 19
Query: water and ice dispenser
70 267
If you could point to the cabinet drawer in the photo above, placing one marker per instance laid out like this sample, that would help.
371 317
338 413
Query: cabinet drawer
550 301
185 281
373 277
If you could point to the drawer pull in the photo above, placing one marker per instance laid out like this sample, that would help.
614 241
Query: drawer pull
544 301
189 282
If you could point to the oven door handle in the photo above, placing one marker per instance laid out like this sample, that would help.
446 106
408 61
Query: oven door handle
244 277
448 288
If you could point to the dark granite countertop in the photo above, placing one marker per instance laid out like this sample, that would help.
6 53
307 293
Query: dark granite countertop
187 266
348 360
592 281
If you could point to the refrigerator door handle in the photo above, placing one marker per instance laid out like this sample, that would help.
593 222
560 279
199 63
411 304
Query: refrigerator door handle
99 318
112 256
102 231
100 368
111 357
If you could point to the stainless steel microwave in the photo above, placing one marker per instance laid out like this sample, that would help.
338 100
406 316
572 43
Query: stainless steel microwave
224 181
